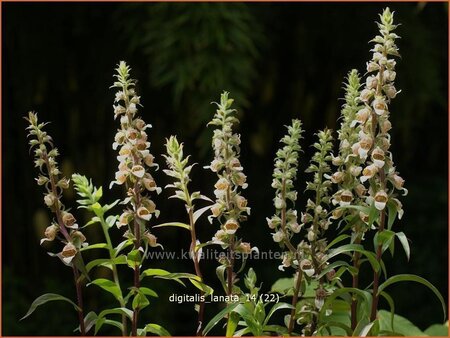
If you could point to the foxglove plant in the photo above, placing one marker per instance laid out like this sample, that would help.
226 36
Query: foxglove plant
284 222
230 207
64 223
179 170
134 157
358 195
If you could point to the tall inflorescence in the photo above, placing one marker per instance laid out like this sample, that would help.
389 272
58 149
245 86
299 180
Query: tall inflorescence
49 177
379 173
316 221
134 160
284 222
349 162
230 207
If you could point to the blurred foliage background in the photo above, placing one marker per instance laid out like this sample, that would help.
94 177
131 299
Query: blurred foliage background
278 60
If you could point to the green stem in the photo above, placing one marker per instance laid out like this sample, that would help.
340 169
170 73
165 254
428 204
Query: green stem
105 228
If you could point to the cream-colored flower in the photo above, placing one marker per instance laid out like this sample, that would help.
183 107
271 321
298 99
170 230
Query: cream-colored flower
69 250
380 106
51 232
378 157
346 197
68 219
152 239
245 247
397 181
50 199
381 199
144 213
124 219
278 236
371 82
368 172
148 160
231 226
138 171
241 202
222 184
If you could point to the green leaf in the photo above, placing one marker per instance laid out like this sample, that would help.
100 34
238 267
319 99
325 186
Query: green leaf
156 329
48 297
437 330
140 301
358 248
216 319
108 286
383 238
392 213
174 224
106 262
134 258
338 239
364 295
402 238
89 321
275 308
93 220
111 220
414 278
220 272
232 324
200 212
336 264
249 319
121 246
97 209
154 272
402 325
391 303
95 246
148 292
202 287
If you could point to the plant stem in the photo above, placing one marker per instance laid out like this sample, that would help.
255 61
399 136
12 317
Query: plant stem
114 271
76 277
198 272
295 299
66 235
355 284
376 275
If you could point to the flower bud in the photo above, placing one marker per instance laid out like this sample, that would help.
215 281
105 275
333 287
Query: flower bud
51 232
50 199
152 239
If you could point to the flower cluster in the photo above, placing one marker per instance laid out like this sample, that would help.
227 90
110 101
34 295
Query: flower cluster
284 222
371 161
49 177
349 164
316 213
134 158
230 206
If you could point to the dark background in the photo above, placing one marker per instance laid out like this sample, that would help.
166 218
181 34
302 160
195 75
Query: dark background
278 60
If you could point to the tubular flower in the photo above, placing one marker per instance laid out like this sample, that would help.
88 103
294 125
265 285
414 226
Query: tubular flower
379 167
45 159
230 206
134 157
285 222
